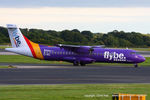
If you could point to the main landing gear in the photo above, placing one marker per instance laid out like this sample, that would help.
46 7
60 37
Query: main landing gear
75 64
135 65
78 63
82 64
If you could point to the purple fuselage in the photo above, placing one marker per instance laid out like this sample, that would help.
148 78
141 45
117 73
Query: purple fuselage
86 56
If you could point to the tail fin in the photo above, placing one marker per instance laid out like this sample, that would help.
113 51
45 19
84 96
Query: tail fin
16 37
21 44
18 41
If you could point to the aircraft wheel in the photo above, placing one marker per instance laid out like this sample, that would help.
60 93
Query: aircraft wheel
75 64
135 65
82 64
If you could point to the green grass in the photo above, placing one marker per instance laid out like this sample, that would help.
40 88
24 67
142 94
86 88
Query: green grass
70 92
141 49
24 59
9 66
3 47
146 62
4 67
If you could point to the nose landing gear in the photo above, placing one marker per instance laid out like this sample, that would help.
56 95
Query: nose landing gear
135 65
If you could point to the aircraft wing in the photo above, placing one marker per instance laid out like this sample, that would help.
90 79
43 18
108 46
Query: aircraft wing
78 48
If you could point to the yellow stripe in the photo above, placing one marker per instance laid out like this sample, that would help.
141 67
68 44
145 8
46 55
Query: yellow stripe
37 50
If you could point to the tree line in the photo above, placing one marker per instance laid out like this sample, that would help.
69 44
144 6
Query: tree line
76 37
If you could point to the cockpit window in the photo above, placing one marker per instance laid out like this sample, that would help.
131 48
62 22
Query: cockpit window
133 53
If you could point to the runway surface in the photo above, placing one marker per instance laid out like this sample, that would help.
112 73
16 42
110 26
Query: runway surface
67 74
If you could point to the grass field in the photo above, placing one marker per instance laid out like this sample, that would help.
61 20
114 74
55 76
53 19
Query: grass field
70 92
10 66
4 67
3 47
24 59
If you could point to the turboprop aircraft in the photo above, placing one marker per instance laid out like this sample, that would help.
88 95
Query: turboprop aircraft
78 55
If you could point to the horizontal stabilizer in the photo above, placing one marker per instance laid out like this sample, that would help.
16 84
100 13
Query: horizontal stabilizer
22 51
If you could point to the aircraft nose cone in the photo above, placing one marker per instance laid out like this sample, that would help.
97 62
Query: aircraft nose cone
141 59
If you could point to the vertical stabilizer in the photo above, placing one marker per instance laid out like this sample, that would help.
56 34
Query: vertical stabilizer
18 41
16 37
21 44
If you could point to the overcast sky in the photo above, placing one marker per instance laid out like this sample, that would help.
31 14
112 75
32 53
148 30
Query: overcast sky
94 15
74 3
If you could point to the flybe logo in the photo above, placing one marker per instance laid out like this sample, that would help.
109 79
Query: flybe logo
16 38
114 56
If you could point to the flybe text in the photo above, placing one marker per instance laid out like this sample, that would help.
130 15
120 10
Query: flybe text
16 38
114 56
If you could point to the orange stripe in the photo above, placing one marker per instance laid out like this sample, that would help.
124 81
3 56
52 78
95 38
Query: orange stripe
37 50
